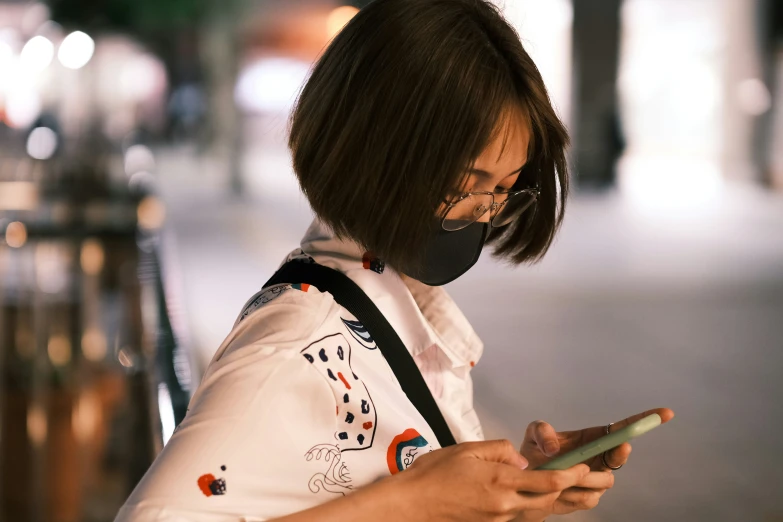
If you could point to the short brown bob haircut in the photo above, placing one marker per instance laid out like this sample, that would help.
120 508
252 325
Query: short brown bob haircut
400 105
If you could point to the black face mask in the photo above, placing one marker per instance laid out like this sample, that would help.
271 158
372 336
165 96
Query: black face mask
450 254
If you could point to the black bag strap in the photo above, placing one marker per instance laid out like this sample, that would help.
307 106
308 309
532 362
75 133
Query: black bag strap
352 298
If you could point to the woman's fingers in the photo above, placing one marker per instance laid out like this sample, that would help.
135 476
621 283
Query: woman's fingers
581 498
546 481
544 436
541 490
596 480
617 456
536 501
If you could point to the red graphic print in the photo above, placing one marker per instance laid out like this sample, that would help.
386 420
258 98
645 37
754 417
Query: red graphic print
203 483
340 375
209 485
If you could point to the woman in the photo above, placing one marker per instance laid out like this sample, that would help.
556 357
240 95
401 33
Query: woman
424 132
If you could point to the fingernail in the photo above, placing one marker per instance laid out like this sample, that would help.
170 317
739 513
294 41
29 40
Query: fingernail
524 464
550 448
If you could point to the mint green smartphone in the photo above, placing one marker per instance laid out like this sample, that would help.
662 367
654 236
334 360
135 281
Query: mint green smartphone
605 443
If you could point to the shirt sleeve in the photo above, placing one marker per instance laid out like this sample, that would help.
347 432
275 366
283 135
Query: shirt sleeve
259 441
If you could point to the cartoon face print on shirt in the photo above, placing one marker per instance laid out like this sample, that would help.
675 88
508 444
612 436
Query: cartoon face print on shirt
404 449
357 418
360 333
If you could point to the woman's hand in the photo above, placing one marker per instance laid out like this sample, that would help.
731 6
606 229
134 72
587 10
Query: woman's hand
583 495
542 443
482 481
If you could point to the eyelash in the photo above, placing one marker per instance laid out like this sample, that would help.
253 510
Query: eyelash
498 190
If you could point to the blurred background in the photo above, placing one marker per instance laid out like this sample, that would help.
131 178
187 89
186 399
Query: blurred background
146 193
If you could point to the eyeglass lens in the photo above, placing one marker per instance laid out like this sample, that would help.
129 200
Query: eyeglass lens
473 207
513 209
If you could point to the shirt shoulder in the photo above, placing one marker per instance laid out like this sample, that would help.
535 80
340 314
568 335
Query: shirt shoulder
276 318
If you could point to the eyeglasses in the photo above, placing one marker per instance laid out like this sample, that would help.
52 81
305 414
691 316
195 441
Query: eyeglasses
504 207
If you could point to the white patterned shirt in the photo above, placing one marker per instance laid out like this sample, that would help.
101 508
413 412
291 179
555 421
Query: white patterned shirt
299 407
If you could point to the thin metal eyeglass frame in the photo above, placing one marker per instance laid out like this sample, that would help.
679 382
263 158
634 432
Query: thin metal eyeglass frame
494 208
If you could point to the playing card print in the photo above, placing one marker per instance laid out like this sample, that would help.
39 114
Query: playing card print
357 417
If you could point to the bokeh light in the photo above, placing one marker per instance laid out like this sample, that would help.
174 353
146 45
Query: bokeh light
37 425
37 54
141 77
52 266
92 257
86 416
42 143
18 195
270 84
93 344
59 350
338 18
23 105
151 213
138 158
16 234
76 50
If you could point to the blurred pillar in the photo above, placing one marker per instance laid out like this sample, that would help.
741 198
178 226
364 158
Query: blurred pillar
744 86
776 139
769 19
595 130
220 51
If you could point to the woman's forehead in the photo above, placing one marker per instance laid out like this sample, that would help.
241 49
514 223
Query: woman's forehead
508 147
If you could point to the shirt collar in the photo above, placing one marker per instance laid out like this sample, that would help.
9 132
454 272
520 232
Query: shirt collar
421 315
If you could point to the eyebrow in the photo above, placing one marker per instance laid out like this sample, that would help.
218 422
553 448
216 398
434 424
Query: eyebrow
485 174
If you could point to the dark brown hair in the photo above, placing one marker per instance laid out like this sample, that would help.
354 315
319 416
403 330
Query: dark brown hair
399 106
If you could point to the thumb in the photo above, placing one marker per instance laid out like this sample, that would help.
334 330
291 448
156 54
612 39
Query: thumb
502 451
544 436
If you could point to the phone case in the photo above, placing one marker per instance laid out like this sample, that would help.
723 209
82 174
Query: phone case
605 443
